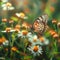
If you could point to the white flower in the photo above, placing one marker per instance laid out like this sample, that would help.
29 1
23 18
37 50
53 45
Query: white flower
34 40
6 43
29 34
4 0
44 41
19 15
11 8
21 34
7 6
9 31
35 50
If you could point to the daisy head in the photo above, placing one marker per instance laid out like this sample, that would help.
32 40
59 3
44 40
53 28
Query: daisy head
43 40
20 15
35 50
23 33
17 26
4 20
34 40
8 4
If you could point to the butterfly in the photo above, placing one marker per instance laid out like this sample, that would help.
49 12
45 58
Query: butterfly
40 24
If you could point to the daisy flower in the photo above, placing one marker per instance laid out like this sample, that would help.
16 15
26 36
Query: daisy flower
24 33
34 40
44 41
7 6
21 15
4 20
35 50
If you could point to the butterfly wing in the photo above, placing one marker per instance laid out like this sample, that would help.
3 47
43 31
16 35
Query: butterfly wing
40 24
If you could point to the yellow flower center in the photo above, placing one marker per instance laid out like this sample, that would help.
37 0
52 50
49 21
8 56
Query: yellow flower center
41 39
34 40
8 29
14 49
24 32
8 4
17 26
55 35
22 15
4 20
35 48
2 39
54 21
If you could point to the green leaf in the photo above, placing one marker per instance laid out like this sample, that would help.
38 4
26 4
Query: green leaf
1 3
47 34
27 57
14 18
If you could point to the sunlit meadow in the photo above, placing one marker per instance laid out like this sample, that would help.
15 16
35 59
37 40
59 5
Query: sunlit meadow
20 38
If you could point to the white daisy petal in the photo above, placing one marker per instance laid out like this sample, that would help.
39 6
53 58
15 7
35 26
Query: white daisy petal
3 5
10 31
25 17
46 42
17 14
6 43
11 8
3 31
4 0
